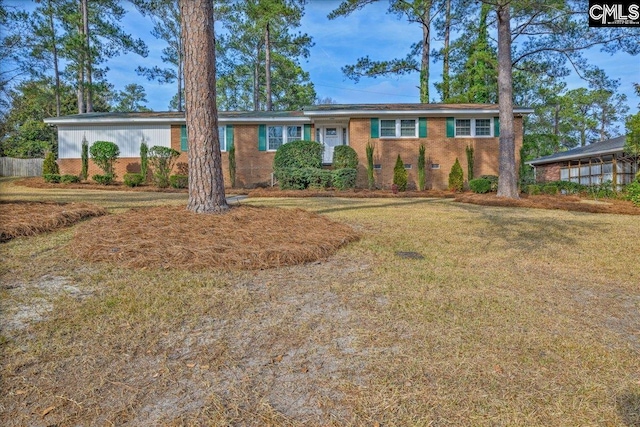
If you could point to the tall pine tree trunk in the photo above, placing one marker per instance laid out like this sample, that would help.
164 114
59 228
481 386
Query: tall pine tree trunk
256 81
426 48
445 58
267 66
54 51
508 180
87 49
206 184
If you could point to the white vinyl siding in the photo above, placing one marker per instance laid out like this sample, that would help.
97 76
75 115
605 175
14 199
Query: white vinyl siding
127 137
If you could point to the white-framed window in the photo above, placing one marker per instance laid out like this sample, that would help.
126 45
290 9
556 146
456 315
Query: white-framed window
398 128
281 134
474 127
222 136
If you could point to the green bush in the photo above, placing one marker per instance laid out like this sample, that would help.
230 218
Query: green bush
470 161
633 192
53 178
84 156
533 189
162 160
302 178
69 179
232 166
344 178
49 166
345 157
298 154
133 179
550 189
400 175
370 173
422 174
456 177
105 154
602 191
103 179
144 160
179 181
480 185
494 181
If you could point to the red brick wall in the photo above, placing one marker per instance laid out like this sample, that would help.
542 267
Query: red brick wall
547 173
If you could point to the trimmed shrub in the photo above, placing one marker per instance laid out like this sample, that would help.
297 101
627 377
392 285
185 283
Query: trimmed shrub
345 157
633 192
133 179
105 154
602 191
533 189
53 178
232 166
550 189
480 185
49 166
302 178
400 175
298 154
370 172
84 174
494 181
179 181
422 174
470 161
162 159
144 160
456 177
69 179
344 178
103 179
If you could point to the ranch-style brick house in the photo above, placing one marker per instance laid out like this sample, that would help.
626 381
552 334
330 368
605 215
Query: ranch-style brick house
593 164
393 129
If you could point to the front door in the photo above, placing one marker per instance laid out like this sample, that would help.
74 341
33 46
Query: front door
331 137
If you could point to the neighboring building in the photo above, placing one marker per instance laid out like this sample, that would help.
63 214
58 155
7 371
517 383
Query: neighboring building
445 130
593 164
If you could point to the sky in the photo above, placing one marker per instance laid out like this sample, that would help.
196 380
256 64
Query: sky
339 42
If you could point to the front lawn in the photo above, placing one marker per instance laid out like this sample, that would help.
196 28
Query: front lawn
512 316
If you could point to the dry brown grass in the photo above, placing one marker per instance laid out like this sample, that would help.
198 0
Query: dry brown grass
29 218
518 317
246 237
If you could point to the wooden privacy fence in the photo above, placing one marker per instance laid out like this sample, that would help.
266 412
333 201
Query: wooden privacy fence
20 167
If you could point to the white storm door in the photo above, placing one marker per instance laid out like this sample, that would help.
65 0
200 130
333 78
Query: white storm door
332 136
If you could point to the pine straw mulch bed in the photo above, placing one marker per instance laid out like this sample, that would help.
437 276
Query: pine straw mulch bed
21 218
246 237
560 202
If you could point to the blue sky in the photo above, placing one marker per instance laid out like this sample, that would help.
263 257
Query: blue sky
370 31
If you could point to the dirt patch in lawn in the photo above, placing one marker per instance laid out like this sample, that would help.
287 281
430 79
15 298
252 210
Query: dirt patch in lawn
565 203
30 218
246 237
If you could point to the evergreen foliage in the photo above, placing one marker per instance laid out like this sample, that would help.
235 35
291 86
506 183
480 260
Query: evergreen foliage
371 179
344 178
144 160
133 179
456 177
105 154
232 165
298 154
49 166
162 160
400 175
345 157
480 185
84 156
422 177
470 162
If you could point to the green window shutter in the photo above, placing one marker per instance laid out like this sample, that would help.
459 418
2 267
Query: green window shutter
262 138
307 132
375 128
229 137
496 127
451 127
422 127
184 144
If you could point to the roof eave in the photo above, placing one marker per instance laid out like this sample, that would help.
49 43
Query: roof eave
572 157
432 113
